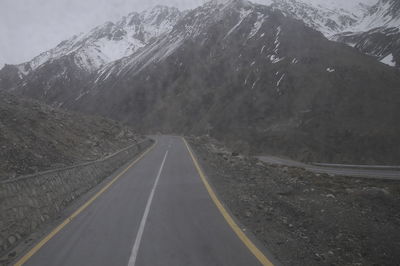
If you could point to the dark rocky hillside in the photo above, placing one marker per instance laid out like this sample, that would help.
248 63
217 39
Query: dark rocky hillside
260 81
9 78
36 137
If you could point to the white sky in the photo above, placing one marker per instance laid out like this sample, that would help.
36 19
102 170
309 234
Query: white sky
29 27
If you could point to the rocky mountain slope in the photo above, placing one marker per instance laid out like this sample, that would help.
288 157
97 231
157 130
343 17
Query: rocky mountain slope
382 43
248 74
36 137
377 33
258 80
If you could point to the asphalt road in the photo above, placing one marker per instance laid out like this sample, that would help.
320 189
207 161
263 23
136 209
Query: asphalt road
366 171
158 213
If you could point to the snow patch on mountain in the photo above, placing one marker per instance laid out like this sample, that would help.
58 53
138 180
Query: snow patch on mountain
388 60
243 15
280 80
257 25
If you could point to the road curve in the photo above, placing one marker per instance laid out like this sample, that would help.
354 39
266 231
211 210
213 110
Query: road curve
373 171
157 213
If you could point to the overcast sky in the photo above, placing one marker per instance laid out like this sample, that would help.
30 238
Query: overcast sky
29 27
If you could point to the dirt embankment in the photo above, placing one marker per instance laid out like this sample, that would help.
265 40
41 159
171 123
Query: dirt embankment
304 218
36 137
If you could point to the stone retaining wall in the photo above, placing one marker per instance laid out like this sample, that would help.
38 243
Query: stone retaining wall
29 201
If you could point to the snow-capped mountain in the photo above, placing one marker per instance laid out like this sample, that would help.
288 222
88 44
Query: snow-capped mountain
328 19
235 68
110 41
385 13
68 66
373 29
377 33
370 26
242 69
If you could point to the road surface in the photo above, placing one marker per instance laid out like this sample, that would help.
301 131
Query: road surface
158 212
367 171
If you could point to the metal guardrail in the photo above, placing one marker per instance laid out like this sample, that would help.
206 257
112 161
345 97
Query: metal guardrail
11 180
359 166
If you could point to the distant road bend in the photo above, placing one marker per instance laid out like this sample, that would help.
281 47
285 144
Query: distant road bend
160 211
367 171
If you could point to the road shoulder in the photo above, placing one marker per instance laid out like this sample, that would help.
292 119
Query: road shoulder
291 210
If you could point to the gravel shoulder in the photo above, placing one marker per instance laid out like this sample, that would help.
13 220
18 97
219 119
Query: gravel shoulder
305 218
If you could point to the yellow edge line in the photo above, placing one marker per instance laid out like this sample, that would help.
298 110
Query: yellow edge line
36 248
256 252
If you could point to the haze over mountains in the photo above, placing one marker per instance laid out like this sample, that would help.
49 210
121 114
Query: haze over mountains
262 78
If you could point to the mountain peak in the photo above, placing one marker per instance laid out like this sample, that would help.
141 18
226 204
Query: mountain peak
230 3
111 40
